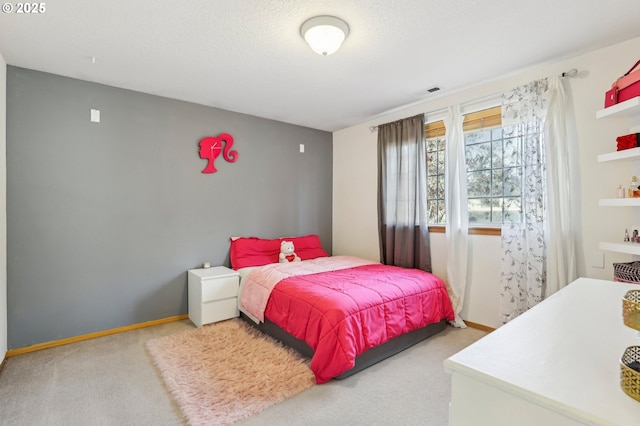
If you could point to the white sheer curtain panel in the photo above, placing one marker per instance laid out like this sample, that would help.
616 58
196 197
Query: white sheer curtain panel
457 216
523 274
539 249
561 187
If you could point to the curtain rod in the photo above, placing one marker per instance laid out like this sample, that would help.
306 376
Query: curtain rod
573 72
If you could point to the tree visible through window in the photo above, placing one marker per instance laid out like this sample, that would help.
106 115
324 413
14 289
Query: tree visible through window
435 180
494 170
493 176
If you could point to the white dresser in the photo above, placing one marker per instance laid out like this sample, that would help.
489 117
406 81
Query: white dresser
213 294
556 364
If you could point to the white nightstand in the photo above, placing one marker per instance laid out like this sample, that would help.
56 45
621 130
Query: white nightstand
213 294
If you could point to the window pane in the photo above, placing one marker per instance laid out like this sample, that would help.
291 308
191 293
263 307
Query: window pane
440 193
496 183
432 209
432 187
432 163
435 211
477 137
478 183
496 153
441 217
478 156
479 210
441 162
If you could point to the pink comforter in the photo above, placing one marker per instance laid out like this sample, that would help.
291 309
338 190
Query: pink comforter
260 282
342 313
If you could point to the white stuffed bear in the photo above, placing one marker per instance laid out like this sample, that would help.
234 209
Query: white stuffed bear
287 252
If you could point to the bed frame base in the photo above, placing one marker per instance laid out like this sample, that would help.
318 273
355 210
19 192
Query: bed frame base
364 360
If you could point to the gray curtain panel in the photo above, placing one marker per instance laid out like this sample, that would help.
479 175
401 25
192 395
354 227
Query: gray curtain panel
402 194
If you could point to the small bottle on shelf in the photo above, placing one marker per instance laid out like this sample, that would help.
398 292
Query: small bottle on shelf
634 191
620 191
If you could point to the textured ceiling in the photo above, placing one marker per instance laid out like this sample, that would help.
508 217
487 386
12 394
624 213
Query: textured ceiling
248 55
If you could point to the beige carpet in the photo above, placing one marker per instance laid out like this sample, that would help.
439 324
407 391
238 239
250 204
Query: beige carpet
111 380
227 371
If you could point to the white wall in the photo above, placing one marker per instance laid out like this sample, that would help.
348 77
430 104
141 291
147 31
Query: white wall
3 208
355 177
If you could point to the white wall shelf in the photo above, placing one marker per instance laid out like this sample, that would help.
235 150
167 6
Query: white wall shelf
630 109
627 108
621 247
627 154
619 202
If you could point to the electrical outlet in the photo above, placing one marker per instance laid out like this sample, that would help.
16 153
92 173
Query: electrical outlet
597 259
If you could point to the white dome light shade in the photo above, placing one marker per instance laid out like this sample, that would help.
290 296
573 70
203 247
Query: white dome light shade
324 34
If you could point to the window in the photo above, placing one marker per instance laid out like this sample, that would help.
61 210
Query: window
493 176
493 170
435 180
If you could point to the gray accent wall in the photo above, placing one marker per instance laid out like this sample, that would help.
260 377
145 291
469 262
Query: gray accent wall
3 209
104 219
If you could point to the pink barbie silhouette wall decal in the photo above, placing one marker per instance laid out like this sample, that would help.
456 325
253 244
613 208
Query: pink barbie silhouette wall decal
210 149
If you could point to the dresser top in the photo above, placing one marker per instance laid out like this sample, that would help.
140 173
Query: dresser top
563 354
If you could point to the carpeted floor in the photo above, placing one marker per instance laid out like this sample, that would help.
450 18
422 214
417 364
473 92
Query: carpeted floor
112 381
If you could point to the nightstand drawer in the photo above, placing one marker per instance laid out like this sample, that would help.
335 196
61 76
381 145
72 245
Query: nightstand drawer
219 310
219 288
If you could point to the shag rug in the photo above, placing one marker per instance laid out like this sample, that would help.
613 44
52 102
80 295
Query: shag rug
227 371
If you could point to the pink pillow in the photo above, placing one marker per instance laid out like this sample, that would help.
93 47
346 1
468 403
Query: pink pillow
307 247
253 251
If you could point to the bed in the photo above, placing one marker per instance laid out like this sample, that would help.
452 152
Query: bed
344 312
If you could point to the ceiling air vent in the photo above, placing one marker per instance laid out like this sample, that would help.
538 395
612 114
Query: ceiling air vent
433 89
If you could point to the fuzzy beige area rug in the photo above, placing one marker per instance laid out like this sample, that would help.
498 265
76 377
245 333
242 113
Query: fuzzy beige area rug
228 371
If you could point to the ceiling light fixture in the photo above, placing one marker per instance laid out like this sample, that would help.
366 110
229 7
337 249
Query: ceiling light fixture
324 34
